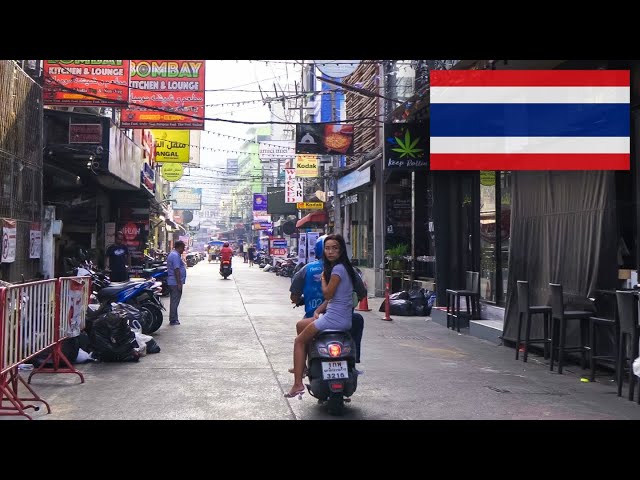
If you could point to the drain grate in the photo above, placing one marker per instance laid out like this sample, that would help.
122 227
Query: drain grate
499 390
404 337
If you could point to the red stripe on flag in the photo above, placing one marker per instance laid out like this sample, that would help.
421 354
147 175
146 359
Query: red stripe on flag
530 78
529 161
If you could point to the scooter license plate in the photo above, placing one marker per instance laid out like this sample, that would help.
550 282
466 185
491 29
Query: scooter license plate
334 370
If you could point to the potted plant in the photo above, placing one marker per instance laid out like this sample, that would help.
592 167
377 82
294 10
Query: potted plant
395 254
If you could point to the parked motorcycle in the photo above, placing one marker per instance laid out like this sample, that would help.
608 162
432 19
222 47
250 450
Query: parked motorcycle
139 294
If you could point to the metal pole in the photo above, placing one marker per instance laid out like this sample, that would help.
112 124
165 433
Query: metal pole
337 228
413 226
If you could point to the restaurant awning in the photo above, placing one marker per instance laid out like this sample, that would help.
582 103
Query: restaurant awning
314 217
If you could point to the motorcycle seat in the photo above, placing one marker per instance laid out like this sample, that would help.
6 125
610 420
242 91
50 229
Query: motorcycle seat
115 288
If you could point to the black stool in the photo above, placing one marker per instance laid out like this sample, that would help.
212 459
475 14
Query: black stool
596 324
559 328
470 292
525 309
629 331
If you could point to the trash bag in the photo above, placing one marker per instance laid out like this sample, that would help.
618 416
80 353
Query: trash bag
152 346
401 308
112 339
420 310
70 348
403 295
136 318
417 297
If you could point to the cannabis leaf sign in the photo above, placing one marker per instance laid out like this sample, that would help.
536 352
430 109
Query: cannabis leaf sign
407 147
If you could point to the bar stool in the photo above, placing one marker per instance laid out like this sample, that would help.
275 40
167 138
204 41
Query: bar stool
525 309
629 331
470 292
596 323
558 339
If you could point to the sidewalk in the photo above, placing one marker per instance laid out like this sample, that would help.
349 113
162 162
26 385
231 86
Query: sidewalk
229 359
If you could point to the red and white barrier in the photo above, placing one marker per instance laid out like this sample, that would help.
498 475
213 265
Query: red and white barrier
36 316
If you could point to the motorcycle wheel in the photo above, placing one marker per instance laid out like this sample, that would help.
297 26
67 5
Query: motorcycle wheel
156 317
335 405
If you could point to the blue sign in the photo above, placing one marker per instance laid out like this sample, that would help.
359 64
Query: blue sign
259 202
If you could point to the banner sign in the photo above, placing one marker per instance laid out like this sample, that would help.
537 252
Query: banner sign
85 133
293 192
172 172
276 149
8 240
67 81
310 205
324 139
278 246
172 87
186 198
35 241
406 146
259 202
306 166
172 146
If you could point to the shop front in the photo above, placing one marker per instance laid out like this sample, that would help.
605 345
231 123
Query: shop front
356 202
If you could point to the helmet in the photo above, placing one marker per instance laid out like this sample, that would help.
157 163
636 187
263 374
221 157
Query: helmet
320 246
226 244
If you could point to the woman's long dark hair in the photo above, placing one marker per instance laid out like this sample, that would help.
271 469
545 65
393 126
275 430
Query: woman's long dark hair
343 259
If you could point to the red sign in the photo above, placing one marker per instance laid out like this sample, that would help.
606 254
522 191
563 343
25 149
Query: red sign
173 88
67 82
130 231
85 133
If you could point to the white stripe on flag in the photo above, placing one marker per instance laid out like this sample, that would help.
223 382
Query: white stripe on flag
530 95
530 145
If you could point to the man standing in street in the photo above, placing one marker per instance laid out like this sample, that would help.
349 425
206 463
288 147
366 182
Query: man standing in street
118 259
177 274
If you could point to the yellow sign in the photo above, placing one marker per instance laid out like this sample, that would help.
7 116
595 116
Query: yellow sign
310 205
172 146
306 166
172 172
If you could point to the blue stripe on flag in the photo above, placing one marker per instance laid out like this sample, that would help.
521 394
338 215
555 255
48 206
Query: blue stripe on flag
530 120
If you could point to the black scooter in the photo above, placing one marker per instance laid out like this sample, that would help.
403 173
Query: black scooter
331 368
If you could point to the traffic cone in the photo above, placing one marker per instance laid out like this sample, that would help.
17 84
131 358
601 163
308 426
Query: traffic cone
363 306
387 307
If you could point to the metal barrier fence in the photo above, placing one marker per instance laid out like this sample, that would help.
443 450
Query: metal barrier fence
28 320
36 317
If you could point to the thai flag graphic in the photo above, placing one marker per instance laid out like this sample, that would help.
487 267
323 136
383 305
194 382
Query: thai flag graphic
530 120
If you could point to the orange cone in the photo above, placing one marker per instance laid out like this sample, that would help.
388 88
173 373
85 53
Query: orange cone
363 306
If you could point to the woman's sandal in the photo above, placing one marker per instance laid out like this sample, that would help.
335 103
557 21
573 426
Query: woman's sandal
298 394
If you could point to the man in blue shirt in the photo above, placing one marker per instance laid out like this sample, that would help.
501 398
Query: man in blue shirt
176 276
307 282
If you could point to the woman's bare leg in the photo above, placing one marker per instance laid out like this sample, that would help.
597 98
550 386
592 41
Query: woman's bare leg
299 353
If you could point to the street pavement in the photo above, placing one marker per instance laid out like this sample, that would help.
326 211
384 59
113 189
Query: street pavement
229 358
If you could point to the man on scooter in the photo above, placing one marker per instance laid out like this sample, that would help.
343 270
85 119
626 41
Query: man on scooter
307 282
226 253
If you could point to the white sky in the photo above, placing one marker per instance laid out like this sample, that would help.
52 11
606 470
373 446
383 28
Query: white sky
236 81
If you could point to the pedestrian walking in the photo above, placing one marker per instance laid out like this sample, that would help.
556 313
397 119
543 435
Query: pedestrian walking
252 254
177 274
118 259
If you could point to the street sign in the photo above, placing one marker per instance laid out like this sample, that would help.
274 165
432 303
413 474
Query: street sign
310 205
